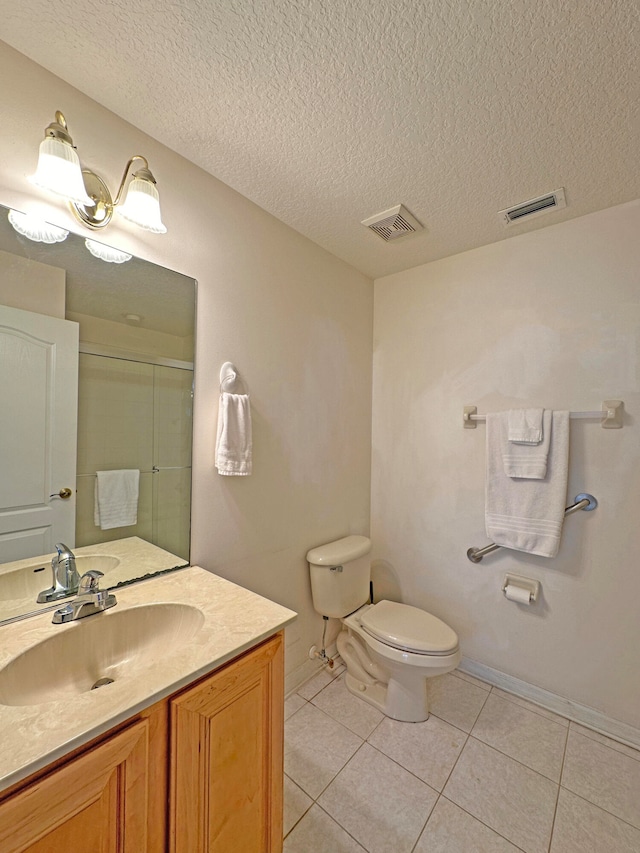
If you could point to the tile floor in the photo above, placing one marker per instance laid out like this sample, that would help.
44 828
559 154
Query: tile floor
486 773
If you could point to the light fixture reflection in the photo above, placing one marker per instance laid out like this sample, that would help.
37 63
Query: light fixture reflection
36 229
107 253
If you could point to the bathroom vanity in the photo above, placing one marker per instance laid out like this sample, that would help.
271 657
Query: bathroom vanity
182 751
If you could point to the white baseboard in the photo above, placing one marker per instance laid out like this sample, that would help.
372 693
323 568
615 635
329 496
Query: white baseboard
581 714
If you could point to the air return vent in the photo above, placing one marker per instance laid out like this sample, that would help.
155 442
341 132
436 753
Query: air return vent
393 223
533 207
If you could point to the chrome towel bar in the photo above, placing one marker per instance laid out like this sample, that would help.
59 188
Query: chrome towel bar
583 501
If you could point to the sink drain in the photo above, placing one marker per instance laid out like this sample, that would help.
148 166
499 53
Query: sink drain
101 682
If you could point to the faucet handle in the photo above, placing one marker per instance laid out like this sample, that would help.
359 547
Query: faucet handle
90 582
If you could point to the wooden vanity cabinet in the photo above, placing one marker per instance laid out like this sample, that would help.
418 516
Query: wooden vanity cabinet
226 758
200 772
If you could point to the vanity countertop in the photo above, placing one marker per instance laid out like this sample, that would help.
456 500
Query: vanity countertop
235 619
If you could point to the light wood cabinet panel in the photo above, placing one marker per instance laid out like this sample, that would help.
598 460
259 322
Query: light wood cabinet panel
97 802
226 758
200 772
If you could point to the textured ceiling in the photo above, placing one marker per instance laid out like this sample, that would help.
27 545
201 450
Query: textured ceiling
325 112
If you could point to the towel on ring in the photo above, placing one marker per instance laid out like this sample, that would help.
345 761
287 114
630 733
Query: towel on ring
527 515
234 441
116 498
525 460
525 426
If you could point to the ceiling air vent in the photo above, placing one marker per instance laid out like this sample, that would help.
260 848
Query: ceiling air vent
393 223
533 207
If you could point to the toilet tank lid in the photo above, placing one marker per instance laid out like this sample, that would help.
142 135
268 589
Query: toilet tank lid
339 552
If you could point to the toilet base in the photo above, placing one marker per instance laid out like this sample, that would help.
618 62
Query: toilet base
400 692
391 699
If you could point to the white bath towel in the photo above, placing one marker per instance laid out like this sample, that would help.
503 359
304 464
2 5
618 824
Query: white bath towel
116 498
527 515
525 460
234 441
525 426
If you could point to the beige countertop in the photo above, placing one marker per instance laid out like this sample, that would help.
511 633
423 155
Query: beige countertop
233 620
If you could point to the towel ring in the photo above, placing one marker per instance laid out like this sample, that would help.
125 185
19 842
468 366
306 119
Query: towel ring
229 379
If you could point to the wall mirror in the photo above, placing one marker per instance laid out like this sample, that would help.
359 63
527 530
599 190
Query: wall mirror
96 375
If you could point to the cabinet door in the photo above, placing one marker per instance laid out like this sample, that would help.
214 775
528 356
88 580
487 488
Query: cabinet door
96 803
226 758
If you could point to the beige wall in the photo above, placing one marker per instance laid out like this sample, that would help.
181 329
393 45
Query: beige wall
296 321
550 319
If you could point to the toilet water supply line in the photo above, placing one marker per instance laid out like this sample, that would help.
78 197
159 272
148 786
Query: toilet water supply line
322 654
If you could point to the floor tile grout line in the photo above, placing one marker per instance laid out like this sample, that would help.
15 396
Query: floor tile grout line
480 712
602 809
606 745
335 776
591 732
466 740
585 799
464 676
475 817
402 767
296 711
406 770
555 808
344 829
517 760
313 802
433 808
530 706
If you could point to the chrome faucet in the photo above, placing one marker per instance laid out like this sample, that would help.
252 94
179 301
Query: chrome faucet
65 576
91 599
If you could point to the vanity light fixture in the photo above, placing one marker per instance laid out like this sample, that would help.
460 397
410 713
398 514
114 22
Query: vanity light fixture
59 171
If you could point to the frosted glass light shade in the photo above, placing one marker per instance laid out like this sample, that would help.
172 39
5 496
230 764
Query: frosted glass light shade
59 171
107 253
142 206
36 229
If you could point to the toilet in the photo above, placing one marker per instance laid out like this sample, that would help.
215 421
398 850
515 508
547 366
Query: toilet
389 649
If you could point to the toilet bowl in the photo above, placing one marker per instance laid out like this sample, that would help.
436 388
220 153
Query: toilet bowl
389 649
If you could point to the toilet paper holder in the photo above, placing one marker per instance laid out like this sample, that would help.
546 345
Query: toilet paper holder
519 582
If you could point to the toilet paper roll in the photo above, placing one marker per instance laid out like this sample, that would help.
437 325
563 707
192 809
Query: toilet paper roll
518 593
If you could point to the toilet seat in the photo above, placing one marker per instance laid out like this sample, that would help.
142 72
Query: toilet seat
408 628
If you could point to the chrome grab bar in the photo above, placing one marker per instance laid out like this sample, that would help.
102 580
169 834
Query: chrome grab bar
583 501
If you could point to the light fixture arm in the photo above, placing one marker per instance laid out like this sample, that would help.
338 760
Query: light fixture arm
145 170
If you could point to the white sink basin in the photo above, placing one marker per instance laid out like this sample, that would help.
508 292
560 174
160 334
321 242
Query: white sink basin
111 645
28 581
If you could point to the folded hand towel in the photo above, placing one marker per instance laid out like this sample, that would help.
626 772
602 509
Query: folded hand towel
527 515
525 426
525 460
234 442
116 498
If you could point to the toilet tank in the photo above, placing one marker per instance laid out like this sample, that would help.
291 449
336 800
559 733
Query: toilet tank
340 574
